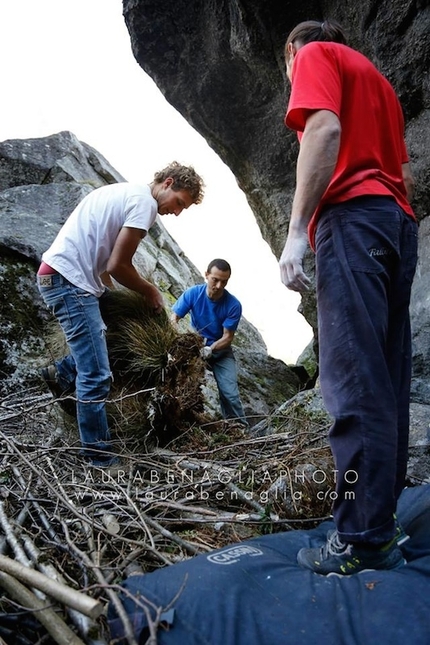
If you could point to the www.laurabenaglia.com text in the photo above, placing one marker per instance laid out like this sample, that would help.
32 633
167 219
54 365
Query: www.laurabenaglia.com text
168 485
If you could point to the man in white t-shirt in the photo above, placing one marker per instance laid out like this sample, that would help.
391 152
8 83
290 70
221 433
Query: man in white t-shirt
97 242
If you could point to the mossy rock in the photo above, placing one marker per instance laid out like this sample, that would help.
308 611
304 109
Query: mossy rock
22 315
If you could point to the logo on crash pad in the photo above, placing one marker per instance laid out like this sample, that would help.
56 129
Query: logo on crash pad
234 554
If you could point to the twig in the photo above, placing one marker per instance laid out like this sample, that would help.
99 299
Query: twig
54 625
18 522
57 590
83 623
48 526
175 538
113 597
11 538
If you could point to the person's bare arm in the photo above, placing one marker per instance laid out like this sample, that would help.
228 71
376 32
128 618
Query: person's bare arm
107 280
121 268
224 342
319 149
408 181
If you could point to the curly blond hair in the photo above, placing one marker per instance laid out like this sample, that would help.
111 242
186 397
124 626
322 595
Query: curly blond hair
185 178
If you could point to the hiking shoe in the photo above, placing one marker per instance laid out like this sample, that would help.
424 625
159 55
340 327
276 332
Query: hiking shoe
50 376
231 425
342 559
116 473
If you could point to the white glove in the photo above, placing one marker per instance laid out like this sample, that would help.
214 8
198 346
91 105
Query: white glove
206 352
291 263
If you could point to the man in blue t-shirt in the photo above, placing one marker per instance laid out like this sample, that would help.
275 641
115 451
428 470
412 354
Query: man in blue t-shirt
215 315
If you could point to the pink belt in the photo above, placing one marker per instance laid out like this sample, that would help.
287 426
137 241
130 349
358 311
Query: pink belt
45 269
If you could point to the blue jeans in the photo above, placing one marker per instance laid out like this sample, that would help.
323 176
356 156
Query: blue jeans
366 254
223 366
87 365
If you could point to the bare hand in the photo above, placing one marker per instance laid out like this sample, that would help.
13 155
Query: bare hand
154 299
291 262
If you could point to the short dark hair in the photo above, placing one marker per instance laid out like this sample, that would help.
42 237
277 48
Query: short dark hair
316 31
185 178
220 264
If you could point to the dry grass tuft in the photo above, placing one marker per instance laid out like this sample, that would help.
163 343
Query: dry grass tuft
148 353
139 341
157 371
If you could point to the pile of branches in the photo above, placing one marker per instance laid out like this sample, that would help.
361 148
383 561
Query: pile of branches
207 488
188 485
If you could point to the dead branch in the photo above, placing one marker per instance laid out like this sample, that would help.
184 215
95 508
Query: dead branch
54 588
128 629
54 625
83 623
12 539
207 490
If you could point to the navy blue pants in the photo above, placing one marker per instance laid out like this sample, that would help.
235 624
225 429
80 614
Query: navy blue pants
366 254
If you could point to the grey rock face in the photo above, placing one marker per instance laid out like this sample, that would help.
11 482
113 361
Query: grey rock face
221 65
53 159
420 308
31 216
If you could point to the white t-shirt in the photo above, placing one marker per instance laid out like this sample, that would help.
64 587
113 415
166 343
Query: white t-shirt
82 248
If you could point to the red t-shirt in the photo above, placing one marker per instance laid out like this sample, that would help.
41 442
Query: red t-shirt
330 76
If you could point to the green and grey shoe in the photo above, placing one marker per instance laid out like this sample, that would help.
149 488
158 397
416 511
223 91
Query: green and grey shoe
342 559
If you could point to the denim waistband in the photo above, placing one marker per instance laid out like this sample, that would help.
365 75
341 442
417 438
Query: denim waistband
51 280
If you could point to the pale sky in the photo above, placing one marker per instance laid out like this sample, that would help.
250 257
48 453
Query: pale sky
69 66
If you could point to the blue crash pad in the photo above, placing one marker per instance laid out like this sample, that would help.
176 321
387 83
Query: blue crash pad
255 593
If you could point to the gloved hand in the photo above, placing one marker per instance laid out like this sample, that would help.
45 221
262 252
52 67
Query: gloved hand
206 352
291 262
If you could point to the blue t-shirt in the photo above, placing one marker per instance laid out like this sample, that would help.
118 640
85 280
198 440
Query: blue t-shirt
209 317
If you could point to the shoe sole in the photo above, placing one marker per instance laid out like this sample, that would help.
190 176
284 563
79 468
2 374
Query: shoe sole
399 565
403 539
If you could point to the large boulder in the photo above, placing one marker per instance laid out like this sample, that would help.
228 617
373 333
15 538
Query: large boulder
221 66
420 307
53 160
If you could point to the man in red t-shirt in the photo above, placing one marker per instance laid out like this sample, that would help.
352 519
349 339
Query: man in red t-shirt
352 204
